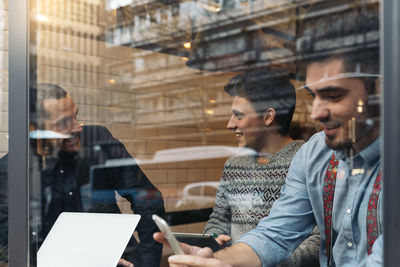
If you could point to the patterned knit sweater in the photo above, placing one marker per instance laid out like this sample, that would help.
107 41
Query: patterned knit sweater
247 190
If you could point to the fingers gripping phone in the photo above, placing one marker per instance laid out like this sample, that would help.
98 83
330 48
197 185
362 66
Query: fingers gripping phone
164 228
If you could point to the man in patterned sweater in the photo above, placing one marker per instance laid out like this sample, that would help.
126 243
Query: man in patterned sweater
262 108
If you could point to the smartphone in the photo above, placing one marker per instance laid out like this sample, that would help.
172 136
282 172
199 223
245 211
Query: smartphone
164 228
200 240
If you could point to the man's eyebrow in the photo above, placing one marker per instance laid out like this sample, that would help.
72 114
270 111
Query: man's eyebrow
331 88
236 112
61 120
308 89
66 118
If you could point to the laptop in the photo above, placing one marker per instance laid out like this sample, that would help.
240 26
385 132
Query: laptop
87 239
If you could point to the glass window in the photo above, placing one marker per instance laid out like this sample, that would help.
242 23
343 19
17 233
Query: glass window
194 110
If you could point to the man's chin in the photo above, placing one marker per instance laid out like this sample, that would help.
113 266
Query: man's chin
240 144
337 144
71 145
71 148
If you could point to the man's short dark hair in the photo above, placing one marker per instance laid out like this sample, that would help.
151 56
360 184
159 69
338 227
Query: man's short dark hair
352 35
38 94
266 89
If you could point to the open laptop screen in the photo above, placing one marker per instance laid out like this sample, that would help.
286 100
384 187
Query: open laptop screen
87 239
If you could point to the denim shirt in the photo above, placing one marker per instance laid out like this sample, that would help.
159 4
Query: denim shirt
300 206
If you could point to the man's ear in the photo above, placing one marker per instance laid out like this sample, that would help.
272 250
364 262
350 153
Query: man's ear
269 116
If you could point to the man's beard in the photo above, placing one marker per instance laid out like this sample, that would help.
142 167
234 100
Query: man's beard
362 130
339 145
71 145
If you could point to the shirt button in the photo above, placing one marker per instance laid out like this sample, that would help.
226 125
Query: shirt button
70 193
61 171
348 211
349 244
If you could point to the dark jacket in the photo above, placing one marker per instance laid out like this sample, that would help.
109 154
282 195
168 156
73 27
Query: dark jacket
66 185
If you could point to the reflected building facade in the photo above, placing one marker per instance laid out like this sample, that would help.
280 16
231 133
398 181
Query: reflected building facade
153 72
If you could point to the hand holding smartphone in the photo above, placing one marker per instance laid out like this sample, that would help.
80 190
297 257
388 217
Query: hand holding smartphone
164 228
199 240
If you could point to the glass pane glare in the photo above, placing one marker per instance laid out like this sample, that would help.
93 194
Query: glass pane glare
179 107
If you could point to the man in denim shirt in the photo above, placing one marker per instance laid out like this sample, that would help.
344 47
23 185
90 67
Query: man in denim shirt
334 179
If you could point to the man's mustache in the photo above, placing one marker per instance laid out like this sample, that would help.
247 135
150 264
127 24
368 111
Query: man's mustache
72 138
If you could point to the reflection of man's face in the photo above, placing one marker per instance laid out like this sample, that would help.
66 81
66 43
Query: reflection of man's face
62 119
339 104
247 124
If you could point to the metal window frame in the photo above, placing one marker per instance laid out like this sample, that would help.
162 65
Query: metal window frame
390 62
18 164
19 120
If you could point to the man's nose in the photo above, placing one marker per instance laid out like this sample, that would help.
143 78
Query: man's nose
231 123
76 127
320 110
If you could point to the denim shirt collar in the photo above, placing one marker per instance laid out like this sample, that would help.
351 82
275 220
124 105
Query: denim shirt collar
373 151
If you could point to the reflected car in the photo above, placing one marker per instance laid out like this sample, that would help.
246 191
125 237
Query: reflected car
198 194
194 195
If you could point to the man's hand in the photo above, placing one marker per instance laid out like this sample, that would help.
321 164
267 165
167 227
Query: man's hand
193 260
125 263
196 256
223 239
239 254
203 252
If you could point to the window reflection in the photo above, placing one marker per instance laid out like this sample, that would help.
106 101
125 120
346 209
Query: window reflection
70 178
148 79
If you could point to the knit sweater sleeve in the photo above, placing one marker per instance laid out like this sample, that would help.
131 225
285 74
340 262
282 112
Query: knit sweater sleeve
220 218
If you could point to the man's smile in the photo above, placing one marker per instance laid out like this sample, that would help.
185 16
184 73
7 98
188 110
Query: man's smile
330 127
238 135
72 142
